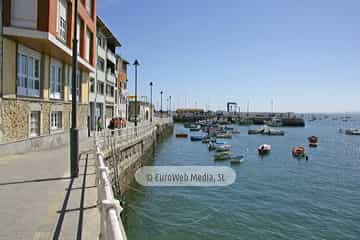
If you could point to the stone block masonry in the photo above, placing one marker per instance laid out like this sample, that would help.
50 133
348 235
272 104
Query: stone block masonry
15 124
126 161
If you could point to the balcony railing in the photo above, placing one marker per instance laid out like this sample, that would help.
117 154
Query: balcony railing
110 76
111 56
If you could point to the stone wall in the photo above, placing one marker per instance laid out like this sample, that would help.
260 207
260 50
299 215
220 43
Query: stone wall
134 157
15 117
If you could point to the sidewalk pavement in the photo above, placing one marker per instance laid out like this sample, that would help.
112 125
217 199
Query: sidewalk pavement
38 199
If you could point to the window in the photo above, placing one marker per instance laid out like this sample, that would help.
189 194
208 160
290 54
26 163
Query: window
110 90
28 72
35 124
100 88
78 33
92 85
88 45
56 79
101 64
62 20
89 4
78 83
101 41
56 120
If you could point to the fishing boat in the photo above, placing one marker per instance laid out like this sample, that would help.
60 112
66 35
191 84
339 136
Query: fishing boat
187 125
212 145
254 131
181 135
299 152
206 140
237 159
313 141
272 132
223 148
226 128
264 149
222 156
196 138
195 128
352 131
224 135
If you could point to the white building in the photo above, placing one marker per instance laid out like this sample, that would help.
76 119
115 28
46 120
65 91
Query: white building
103 85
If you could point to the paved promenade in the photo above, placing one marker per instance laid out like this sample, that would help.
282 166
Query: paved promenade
38 199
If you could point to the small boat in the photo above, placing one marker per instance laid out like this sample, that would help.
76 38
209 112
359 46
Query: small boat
313 141
254 131
181 135
224 135
352 131
298 152
206 140
187 125
273 132
235 131
223 148
228 128
213 145
222 156
196 138
264 149
195 129
237 159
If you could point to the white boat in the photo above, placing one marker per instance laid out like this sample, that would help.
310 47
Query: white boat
224 135
352 131
223 148
264 148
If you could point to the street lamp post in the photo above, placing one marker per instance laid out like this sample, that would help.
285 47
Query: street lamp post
136 64
151 110
74 132
170 105
161 94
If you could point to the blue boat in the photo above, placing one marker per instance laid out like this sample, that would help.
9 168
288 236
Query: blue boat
196 138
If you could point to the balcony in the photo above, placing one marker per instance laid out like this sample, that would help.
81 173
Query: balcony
111 56
110 77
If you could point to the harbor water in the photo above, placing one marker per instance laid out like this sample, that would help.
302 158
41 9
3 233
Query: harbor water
274 197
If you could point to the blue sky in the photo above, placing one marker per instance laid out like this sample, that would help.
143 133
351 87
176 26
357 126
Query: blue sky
303 54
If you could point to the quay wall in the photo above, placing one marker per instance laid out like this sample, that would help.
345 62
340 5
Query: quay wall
124 161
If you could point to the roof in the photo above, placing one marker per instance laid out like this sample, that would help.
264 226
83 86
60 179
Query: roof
122 59
110 37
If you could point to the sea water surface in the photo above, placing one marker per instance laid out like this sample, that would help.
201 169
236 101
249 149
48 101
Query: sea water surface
274 197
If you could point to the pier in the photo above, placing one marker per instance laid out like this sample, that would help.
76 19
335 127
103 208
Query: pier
257 118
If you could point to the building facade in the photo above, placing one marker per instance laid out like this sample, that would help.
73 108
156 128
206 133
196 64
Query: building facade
37 67
142 111
1 125
103 91
122 87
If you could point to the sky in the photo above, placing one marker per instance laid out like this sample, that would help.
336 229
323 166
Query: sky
304 55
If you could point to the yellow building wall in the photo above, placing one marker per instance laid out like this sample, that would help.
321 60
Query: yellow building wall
9 68
85 88
66 83
45 76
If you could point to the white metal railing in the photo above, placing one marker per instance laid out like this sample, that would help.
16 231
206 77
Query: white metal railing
111 226
125 136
